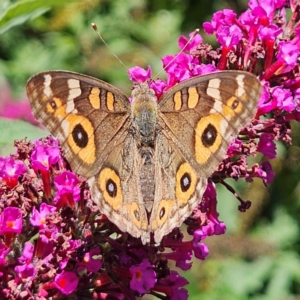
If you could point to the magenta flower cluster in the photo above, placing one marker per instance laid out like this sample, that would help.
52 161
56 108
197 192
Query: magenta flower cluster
54 242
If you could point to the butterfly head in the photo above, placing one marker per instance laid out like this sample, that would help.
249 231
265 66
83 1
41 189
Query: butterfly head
144 100
142 92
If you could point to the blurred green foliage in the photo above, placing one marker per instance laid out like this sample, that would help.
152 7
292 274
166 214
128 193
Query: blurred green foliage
258 257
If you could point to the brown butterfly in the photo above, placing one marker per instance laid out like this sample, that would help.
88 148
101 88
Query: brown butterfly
147 162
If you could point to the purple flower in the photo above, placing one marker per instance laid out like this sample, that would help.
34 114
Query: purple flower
26 271
288 53
279 98
67 189
283 98
3 253
229 36
38 218
182 257
266 172
11 220
138 74
213 225
203 69
92 260
159 86
264 10
266 103
266 145
200 249
269 33
66 282
177 68
189 46
220 18
46 243
172 286
27 253
43 157
143 277
235 147
10 170
249 21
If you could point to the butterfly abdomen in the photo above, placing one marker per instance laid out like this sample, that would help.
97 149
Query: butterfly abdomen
147 176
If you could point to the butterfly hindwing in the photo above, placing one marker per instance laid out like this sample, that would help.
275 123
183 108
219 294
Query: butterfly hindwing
116 189
180 192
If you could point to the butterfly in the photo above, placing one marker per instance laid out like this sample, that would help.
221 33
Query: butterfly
146 162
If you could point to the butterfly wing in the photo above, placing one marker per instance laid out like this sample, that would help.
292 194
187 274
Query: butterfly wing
87 115
178 189
197 118
117 189
202 115
91 118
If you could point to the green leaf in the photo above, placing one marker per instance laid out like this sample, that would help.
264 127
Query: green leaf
11 130
22 11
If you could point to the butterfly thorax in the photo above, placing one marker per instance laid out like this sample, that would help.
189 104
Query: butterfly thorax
144 114
144 122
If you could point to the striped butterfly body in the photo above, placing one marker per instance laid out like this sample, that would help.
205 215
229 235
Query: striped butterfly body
146 162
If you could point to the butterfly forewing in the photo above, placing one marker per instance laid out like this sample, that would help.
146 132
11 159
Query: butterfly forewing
78 110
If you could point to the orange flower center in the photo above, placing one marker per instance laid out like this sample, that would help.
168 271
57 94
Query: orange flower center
138 275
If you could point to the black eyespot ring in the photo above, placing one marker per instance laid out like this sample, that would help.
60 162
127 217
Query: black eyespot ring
53 104
80 136
185 182
235 104
111 188
209 135
137 215
162 213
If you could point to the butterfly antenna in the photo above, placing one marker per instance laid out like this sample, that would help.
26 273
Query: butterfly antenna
174 58
102 39
115 55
